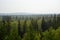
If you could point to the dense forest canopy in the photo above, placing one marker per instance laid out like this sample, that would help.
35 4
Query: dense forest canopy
30 27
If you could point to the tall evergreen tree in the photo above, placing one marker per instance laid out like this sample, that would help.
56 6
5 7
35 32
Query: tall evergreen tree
19 31
43 26
54 24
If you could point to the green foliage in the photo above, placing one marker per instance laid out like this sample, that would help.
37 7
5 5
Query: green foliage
32 36
13 33
49 34
57 34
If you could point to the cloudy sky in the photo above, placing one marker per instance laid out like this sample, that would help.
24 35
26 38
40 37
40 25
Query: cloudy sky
30 6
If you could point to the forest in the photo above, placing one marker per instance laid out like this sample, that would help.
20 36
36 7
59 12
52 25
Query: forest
30 27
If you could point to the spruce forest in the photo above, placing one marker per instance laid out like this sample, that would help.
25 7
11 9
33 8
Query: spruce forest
30 27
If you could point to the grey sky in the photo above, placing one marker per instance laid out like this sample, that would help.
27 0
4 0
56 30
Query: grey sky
31 6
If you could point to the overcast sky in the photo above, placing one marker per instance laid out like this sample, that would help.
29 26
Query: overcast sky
30 6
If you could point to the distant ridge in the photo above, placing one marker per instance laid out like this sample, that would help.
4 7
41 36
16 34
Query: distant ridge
25 14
